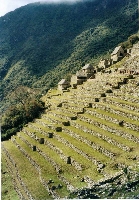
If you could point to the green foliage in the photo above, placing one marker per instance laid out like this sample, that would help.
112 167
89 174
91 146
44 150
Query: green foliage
26 109
42 43
131 40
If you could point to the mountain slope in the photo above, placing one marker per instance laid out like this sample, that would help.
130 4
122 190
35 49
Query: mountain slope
85 144
41 43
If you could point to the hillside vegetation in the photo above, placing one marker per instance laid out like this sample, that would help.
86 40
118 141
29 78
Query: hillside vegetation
85 144
42 43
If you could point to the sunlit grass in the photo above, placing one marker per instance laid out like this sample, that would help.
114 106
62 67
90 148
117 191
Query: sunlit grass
27 172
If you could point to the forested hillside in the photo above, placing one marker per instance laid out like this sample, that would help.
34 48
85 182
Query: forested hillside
42 43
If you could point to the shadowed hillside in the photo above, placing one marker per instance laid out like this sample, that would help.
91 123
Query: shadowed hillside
86 143
42 43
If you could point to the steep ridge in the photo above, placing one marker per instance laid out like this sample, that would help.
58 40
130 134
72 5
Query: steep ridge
86 144
41 43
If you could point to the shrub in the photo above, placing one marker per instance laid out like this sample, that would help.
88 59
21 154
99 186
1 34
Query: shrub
17 116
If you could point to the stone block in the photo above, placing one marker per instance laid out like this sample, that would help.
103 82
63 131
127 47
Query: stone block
58 129
121 123
96 99
68 160
130 76
67 123
41 140
50 135
34 148
73 118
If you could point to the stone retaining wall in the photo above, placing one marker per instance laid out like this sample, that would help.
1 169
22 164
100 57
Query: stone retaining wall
52 125
122 105
114 111
50 160
76 103
37 167
72 107
73 112
114 131
28 194
80 138
54 164
114 120
65 142
57 121
77 165
106 138
93 145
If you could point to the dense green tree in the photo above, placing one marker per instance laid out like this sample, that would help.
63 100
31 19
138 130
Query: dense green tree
26 107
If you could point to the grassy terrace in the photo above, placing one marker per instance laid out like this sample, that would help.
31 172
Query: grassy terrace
115 107
52 119
37 125
47 123
83 146
115 137
112 125
47 170
94 137
60 118
7 188
27 172
70 152
15 180
64 113
101 142
68 170
79 144
51 153
97 129
124 102
115 116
